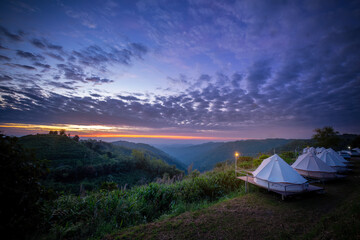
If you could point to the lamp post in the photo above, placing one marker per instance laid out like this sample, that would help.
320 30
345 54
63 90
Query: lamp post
236 157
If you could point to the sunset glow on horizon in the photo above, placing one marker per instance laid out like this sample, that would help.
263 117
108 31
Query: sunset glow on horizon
98 131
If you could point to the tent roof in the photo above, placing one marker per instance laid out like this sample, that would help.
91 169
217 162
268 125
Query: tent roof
335 154
275 169
310 162
309 149
320 149
330 159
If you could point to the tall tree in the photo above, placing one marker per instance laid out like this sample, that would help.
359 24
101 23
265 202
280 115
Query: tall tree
326 137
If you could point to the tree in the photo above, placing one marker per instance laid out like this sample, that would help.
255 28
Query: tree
53 132
76 138
140 159
326 137
21 192
62 132
356 142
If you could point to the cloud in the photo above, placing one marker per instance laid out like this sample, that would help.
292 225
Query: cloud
26 67
47 66
11 36
85 18
30 56
95 95
38 43
97 56
61 85
43 44
128 98
182 79
5 78
4 58
98 80
55 56
236 80
71 71
259 72
138 49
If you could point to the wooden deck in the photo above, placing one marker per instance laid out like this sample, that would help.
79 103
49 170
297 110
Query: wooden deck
283 194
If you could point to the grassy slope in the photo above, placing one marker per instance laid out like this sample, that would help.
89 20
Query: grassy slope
262 215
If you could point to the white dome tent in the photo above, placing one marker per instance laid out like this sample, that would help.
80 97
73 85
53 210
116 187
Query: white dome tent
309 149
309 165
276 175
332 161
319 150
340 158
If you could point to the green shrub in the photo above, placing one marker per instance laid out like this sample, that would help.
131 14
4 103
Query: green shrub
109 186
288 157
101 212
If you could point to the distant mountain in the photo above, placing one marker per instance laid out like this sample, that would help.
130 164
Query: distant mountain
152 151
205 156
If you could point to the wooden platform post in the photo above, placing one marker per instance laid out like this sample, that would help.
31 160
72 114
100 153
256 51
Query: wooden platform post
246 183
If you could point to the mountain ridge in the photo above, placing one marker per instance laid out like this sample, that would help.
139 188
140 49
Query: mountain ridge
205 156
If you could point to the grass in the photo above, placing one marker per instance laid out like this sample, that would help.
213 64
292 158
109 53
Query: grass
262 215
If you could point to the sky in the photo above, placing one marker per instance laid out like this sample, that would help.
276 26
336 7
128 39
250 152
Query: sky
179 71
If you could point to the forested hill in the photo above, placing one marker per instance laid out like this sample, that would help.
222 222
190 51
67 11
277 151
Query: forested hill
90 163
61 150
152 151
205 156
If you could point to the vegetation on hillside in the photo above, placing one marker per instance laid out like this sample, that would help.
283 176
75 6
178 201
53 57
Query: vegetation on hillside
84 165
102 212
152 151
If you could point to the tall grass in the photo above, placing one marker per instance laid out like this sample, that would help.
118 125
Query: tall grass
102 212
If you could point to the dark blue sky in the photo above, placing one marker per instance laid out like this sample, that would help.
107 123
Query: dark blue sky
216 69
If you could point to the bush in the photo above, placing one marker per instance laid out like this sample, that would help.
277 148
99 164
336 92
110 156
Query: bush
101 212
288 157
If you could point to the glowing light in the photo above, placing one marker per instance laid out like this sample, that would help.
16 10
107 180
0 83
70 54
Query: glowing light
67 127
